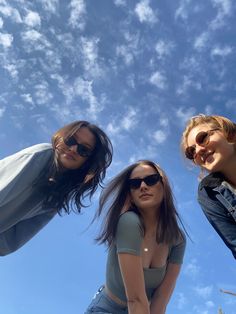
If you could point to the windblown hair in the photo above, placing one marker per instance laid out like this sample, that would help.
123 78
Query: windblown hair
227 126
66 190
114 198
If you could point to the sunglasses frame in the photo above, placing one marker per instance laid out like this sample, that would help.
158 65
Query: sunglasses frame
135 183
81 149
190 151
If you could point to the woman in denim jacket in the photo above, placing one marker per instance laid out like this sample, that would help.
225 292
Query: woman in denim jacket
42 180
210 142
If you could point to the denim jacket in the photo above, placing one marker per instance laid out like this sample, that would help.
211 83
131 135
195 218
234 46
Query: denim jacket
21 212
218 202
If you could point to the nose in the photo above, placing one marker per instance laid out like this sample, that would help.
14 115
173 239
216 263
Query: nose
199 150
73 148
143 185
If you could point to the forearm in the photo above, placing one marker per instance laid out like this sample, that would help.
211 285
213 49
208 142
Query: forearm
138 306
159 306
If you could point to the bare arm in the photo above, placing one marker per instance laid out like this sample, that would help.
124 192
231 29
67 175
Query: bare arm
163 293
133 278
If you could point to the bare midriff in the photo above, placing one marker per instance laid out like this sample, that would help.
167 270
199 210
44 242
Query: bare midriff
114 298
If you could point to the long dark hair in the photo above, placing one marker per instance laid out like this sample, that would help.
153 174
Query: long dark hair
115 197
66 190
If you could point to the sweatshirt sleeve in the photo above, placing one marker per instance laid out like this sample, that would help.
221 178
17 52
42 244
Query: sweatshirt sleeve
17 175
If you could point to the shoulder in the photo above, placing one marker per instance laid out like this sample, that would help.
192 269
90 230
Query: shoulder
212 180
129 218
37 149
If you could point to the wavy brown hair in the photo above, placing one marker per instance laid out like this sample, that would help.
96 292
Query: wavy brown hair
115 197
66 190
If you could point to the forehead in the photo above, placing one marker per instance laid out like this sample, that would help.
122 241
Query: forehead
142 171
194 131
84 136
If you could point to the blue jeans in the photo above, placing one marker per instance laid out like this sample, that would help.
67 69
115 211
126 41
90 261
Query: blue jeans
102 304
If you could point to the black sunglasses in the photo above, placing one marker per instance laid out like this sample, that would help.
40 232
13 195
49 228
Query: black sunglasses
148 180
202 139
81 149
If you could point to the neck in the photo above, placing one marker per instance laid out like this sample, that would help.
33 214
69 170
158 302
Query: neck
230 172
150 220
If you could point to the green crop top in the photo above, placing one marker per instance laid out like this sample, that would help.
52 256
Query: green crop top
128 239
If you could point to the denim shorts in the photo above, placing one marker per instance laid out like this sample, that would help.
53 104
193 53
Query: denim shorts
102 304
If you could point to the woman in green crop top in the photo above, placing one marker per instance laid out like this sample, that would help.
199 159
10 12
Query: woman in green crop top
146 245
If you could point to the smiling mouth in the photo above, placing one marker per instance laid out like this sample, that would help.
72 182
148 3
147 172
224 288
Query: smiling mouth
207 156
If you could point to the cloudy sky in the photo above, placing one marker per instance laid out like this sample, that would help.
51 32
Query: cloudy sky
138 69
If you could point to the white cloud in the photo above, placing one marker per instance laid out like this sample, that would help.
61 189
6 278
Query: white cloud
182 10
32 19
187 83
112 128
210 304
2 111
201 41
164 122
185 114
77 15
34 40
204 292
159 136
145 12
89 49
224 9
50 5
231 104
11 13
158 79
1 22
12 70
42 93
221 51
6 40
31 35
84 89
120 3
181 300
163 48
27 98
192 269
129 50
129 120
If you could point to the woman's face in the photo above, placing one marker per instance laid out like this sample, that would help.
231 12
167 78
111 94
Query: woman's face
216 153
69 156
145 196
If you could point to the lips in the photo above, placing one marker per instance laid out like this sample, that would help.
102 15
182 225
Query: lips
68 155
207 156
145 195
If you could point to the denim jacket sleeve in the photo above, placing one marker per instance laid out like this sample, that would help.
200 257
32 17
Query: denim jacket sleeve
17 175
219 217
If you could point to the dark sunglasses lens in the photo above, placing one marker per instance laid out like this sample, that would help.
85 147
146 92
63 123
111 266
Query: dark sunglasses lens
83 151
134 183
70 141
202 138
190 152
151 180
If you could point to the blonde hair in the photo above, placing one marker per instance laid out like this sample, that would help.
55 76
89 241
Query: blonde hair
227 126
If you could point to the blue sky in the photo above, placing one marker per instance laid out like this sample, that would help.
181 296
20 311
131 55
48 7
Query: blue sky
138 69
